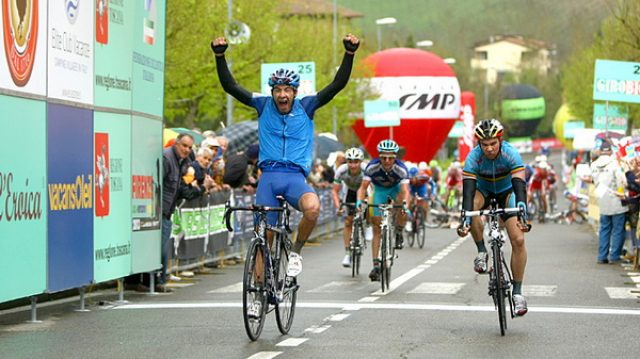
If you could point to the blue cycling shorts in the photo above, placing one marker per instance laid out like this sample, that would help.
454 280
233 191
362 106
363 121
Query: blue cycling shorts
289 185
380 196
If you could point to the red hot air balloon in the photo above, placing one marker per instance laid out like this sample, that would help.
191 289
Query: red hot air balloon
429 96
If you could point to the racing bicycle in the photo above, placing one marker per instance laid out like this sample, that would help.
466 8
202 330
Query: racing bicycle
357 243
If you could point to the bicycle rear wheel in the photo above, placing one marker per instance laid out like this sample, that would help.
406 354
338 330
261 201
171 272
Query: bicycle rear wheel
254 294
500 289
420 228
384 250
286 290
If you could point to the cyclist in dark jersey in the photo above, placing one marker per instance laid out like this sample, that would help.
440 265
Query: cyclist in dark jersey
285 132
494 169
390 178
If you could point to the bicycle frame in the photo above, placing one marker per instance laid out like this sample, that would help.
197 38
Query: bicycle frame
387 249
357 243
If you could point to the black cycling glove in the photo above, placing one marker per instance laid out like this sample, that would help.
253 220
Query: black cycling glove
349 46
219 49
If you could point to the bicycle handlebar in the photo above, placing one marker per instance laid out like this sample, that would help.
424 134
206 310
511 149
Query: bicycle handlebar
254 208
494 212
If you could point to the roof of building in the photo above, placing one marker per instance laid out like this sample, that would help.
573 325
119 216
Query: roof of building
315 8
515 39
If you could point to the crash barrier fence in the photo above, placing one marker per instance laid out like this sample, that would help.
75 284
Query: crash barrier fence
200 237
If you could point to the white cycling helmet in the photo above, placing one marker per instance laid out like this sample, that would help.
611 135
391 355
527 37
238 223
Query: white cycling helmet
388 146
354 154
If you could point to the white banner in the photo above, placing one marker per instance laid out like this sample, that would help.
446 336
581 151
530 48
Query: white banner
23 53
421 97
71 29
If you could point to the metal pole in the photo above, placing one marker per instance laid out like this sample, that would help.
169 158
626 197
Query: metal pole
34 311
229 99
82 301
335 61
379 38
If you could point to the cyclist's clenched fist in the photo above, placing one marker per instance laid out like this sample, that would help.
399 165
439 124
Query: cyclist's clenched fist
351 43
219 46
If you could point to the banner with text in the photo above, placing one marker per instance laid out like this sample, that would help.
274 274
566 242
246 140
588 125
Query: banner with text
23 198
70 53
70 189
112 194
23 53
113 49
616 81
148 56
146 193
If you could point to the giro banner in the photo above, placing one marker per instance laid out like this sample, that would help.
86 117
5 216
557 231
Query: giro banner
23 53
23 199
112 196
70 53
70 188
113 47
146 182
148 56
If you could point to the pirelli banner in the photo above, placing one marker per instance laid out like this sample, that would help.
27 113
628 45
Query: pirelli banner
81 107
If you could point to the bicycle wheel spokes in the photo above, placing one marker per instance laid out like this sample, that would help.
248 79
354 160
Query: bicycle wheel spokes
500 289
286 293
254 298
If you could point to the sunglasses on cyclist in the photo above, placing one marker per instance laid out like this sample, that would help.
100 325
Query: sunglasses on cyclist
387 158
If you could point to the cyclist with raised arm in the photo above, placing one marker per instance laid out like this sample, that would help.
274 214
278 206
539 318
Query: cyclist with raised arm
494 169
348 176
286 132
390 178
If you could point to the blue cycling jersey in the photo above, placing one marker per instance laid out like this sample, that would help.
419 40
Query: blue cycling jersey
493 175
286 141
379 177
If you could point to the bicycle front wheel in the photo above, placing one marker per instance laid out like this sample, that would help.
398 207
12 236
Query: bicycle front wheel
286 291
500 293
356 247
254 298
386 254
420 229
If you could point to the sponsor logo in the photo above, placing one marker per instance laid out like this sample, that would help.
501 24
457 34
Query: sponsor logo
103 174
71 9
72 196
102 21
20 25
18 204
149 22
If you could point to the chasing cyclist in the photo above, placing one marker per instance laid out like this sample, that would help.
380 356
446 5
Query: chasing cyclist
422 189
390 177
285 132
349 175
494 169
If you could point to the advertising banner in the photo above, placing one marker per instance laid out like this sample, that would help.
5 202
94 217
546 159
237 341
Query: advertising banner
306 70
610 117
70 196
23 53
381 113
70 60
23 198
112 174
523 109
148 56
113 48
616 81
468 119
146 193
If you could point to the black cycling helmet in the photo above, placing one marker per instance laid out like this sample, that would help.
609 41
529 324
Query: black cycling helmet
488 129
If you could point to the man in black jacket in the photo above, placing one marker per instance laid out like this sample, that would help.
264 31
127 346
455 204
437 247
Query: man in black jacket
236 167
173 158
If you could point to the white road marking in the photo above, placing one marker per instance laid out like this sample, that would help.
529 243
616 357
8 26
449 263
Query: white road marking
337 317
317 329
539 290
390 306
621 293
368 299
234 288
264 355
437 288
292 342
399 281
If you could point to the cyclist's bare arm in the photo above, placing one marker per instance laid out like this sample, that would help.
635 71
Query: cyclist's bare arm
362 191
229 84
335 192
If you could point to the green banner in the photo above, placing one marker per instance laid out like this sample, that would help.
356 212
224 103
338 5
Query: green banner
113 47
23 197
146 180
112 220
198 222
523 109
148 57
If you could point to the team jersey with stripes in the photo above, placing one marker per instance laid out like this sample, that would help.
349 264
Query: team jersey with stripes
379 177
493 175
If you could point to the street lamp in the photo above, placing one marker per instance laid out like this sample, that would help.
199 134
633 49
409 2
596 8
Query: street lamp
424 43
380 22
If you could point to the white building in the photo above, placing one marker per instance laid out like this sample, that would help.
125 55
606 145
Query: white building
511 54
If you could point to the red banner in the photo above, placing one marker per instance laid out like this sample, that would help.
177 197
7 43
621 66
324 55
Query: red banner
102 174
468 117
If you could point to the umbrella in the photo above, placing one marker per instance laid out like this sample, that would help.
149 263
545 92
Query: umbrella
169 135
241 135
324 145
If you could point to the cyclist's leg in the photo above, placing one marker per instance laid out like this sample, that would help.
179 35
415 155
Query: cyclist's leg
518 248
480 262
302 197
351 197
